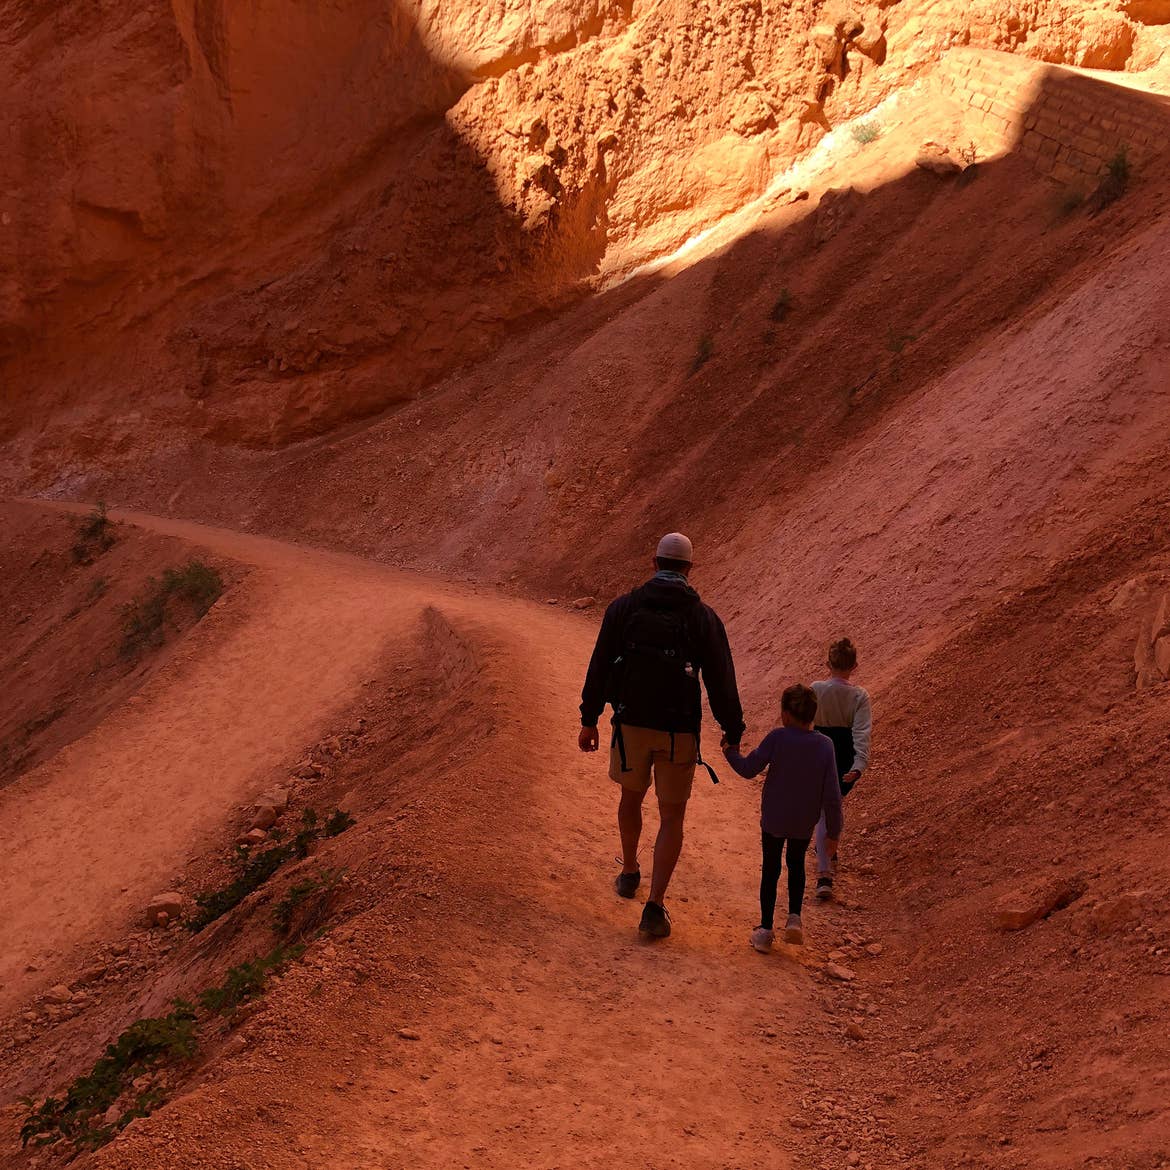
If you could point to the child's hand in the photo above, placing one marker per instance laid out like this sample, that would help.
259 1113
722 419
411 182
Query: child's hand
851 777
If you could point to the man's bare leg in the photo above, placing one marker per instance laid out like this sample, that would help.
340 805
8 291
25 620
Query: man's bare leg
667 847
630 828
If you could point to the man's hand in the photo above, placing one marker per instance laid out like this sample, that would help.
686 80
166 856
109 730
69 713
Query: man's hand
588 740
728 747
851 777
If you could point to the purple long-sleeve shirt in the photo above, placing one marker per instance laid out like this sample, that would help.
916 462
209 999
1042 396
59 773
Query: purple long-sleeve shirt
801 782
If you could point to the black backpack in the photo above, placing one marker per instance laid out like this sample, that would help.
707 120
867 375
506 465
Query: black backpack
655 678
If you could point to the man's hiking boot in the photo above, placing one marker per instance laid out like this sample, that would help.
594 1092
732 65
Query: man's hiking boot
824 887
793 931
655 921
762 939
626 884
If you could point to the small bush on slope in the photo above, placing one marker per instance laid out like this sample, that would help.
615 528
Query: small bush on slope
95 535
318 889
257 868
79 1116
144 619
143 1049
247 980
865 132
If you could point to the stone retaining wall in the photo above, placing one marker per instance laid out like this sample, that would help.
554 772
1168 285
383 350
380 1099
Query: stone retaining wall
1070 124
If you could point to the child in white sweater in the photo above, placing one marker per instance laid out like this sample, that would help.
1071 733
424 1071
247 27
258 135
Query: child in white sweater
845 716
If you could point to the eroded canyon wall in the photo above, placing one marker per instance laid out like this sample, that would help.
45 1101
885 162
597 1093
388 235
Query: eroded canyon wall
255 221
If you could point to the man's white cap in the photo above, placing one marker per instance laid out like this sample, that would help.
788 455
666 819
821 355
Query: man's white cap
676 547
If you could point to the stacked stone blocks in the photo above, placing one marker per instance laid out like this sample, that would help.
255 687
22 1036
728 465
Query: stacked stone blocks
1070 124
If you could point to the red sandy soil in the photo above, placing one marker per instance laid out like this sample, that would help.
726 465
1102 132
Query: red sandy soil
950 445
481 915
61 628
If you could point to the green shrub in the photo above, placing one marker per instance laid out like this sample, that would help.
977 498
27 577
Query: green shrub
144 619
257 868
79 1116
299 894
95 535
338 822
865 132
1070 199
247 980
145 1047
1114 184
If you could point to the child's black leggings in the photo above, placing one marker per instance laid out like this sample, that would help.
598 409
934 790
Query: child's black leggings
770 878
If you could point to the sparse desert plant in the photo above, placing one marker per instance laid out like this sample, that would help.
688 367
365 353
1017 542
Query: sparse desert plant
247 980
254 872
255 869
309 898
144 619
127 1073
1119 172
782 307
969 154
703 353
863 133
95 535
79 1116
338 822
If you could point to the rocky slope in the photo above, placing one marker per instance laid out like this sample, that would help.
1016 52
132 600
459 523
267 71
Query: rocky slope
916 395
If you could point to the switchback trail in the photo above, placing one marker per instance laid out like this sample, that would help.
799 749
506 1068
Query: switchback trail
494 1005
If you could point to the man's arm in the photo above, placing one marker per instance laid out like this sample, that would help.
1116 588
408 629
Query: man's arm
593 694
719 678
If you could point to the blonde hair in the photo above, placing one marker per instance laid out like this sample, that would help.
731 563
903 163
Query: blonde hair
842 655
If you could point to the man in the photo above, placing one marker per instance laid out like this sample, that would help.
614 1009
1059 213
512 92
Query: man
654 644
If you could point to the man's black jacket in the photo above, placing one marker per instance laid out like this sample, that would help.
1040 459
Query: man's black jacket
711 648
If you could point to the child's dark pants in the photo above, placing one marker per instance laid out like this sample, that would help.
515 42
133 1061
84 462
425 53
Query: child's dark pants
770 878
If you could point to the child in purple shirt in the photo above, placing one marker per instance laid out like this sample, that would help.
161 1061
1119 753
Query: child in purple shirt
800 787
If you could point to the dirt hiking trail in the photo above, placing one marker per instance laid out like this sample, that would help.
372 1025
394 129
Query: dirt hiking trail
497 1007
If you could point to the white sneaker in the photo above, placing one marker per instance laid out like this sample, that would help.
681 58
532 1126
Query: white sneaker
762 939
793 931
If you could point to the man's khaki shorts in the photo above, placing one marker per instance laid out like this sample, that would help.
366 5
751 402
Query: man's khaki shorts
648 751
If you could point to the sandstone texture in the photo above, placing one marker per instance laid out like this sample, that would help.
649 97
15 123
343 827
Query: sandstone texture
422 323
1037 900
264 208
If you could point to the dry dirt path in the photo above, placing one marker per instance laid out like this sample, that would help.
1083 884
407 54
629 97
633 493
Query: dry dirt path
550 1035
118 812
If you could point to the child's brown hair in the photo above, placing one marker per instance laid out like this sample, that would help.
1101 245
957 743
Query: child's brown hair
800 702
842 655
